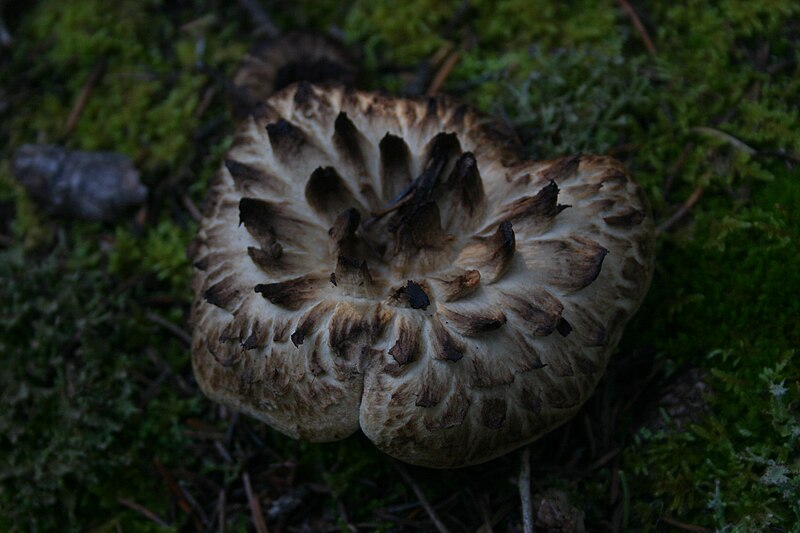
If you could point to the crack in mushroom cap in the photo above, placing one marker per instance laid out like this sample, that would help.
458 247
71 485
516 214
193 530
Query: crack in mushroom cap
399 266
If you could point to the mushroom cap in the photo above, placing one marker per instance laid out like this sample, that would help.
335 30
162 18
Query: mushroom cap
273 63
400 266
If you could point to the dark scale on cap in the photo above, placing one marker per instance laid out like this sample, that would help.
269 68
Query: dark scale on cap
563 327
417 298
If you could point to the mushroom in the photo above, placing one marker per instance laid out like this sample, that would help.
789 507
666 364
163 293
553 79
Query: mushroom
399 266
275 62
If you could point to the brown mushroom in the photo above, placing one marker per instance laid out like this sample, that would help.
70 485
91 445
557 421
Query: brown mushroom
275 62
400 267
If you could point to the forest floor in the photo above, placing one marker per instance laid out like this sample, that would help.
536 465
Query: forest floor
695 424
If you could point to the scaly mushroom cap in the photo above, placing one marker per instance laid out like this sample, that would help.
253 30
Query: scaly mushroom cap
398 266
276 62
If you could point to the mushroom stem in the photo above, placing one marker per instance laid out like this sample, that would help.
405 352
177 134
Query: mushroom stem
525 490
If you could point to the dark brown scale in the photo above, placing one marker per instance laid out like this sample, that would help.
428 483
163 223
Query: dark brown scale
406 348
345 225
395 165
223 294
242 173
563 327
257 217
473 324
570 265
418 228
251 342
270 222
225 362
483 376
627 219
327 193
453 415
561 169
493 256
447 348
456 285
541 311
309 322
465 182
493 413
348 139
544 205
413 295
292 294
266 258
531 401
429 397
286 139
352 276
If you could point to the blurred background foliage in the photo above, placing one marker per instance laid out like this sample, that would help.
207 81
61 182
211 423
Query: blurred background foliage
98 410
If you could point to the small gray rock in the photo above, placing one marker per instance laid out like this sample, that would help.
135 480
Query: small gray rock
87 185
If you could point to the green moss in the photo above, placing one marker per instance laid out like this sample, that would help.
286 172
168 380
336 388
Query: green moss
72 422
161 252
145 103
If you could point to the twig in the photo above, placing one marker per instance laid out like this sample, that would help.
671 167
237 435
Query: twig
681 212
152 389
169 326
221 511
177 491
260 17
744 147
205 102
485 516
525 491
421 497
605 458
682 525
422 75
223 451
587 427
195 506
159 362
727 137
781 154
457 18
343 516
84 94
144 511
637 23
190 206
675 168
443 73
255 507
5 36
613 494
